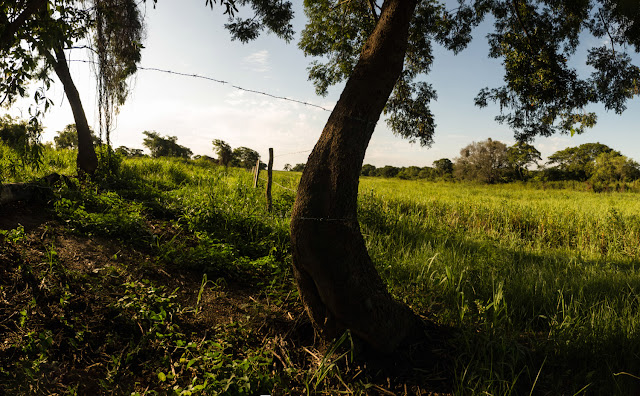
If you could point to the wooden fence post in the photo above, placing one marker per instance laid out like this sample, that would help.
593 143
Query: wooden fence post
256 174
269 178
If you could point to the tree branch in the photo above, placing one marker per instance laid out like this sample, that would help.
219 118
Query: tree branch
522 25
606 26
372 5
12 28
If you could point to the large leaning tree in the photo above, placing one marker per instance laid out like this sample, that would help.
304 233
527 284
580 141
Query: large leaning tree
34 35
383 51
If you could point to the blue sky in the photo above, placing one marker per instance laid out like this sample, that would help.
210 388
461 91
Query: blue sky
188 37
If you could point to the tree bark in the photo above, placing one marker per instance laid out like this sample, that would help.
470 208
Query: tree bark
13 192
338 283
87 161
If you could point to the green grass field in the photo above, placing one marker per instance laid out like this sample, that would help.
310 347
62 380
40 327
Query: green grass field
539 287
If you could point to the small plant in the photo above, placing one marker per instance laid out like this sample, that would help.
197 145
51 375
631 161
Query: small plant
14 235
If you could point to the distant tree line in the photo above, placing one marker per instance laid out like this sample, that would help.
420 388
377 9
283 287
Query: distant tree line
159 146
492 161
489 161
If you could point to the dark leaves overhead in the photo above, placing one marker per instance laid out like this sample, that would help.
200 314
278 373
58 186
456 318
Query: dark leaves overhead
536 40
335 33
337 30
29 31
273 15
409 113
615 78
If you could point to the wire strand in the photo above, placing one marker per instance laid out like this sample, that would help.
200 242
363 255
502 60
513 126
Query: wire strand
193 75
297 152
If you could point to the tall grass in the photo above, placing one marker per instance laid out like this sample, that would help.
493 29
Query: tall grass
12 169
596 225
541 286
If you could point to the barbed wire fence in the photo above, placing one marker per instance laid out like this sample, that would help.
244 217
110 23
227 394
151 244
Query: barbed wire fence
216 80
256 169
269 179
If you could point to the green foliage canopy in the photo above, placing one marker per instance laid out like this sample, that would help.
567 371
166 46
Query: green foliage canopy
610 167
536 39
337 30
129 152
244 157
30 31
443 166
68 138
224 152
484 161
298 167
578 163
164 146
520 156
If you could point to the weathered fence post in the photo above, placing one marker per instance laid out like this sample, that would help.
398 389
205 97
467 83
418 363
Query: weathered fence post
256 174
269 178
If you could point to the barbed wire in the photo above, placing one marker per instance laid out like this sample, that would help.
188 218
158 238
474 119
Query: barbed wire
297 152
367 122
193 75
277 184
320 219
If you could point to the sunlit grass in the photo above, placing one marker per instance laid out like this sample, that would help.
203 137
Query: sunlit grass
541 286
538 281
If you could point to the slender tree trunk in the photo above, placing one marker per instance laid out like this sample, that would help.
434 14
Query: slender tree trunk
337 280
87 161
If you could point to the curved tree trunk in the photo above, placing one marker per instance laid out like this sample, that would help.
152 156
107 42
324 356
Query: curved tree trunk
87 160
337 280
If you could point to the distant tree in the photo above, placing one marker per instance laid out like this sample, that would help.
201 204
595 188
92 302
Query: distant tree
205 158
368 170
409 173
484 161
129 152
287 167
244 157
520 156
444 166
428 173
298 167
68 138
578 163
610 167
224 152
164 146
388 171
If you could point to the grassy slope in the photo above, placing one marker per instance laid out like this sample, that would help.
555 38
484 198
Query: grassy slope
541 287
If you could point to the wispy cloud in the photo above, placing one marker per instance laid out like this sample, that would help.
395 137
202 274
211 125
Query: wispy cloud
257 62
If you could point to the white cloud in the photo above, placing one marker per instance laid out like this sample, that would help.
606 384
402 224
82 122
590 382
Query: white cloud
257 62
